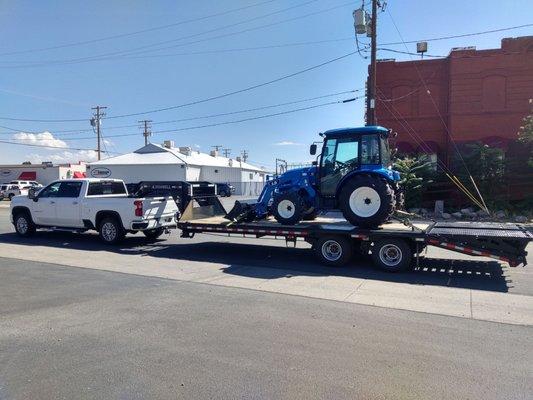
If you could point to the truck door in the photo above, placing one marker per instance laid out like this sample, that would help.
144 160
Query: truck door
43 211
68 208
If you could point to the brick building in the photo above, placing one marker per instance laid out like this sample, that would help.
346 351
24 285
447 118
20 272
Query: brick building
481 95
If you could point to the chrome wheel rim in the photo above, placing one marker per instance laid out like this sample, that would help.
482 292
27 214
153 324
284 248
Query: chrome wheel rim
109 231
390 255
22 225
331 250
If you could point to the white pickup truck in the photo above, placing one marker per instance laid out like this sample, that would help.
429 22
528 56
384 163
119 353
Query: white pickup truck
98 204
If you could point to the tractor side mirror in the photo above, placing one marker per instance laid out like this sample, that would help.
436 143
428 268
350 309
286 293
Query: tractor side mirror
312 149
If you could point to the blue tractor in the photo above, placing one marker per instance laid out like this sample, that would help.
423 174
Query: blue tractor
353 173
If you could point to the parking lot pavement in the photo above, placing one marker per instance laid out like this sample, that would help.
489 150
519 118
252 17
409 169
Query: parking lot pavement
466 287
73 333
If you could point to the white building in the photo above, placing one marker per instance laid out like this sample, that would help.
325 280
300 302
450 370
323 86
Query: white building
168 163
44 173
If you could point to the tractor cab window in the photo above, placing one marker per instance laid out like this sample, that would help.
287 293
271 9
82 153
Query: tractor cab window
385 152
328 157
339 157
370 149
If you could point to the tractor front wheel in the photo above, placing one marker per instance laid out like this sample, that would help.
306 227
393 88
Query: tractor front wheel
288 208
367 201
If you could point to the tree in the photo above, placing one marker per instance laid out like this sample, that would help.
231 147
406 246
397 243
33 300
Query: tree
525 135
486 165
417 173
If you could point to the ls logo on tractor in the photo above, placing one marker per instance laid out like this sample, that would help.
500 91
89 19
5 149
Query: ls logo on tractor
101 172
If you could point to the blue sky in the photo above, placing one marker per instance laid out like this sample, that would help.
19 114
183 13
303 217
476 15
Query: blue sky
43 85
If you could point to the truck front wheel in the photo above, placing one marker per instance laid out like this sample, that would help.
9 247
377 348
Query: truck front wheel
367 201
111 230
23 224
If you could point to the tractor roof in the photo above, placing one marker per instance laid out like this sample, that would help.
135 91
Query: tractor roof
364 130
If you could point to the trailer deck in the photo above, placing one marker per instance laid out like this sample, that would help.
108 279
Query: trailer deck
392 245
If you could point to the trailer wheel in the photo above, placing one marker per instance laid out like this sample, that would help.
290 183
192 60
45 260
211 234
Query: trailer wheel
392 255
333 251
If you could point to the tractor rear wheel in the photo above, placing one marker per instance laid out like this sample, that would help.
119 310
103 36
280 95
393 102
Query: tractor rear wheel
367 201
288 208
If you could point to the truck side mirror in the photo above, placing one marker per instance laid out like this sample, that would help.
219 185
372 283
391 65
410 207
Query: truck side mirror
32 195
312 149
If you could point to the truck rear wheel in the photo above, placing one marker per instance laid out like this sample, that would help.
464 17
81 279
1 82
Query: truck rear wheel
367 201
111 230
392 255
288 208
334 251
24 225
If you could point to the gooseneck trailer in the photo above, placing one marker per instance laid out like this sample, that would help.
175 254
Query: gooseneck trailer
393 246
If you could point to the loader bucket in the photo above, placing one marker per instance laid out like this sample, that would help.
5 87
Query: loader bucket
203 207
242 211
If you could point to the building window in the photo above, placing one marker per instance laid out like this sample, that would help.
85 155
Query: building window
493 96
251 176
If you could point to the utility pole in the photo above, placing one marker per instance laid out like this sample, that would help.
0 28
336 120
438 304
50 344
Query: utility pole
226 152
96 122
371 104
244 154
146 129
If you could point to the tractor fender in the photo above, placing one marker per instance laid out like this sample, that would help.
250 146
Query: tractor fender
377 173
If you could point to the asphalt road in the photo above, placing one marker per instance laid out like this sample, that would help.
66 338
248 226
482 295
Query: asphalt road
82 333
69 333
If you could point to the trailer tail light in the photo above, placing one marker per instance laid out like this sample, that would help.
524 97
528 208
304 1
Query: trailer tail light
138 208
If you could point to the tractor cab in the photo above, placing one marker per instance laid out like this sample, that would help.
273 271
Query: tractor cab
347 151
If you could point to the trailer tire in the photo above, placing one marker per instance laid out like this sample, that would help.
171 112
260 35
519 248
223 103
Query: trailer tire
153 234
334 251
288 208
111 230
392 255
367 201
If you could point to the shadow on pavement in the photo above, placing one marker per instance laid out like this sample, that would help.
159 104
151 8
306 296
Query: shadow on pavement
271 262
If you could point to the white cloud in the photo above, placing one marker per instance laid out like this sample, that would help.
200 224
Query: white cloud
287 143
41 139
54 150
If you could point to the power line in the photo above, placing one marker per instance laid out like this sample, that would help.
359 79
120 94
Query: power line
74 131
205 100
155 28
236 91
147 48
233 121
45 146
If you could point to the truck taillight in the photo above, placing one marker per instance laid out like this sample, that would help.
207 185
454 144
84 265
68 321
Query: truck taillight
138 208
